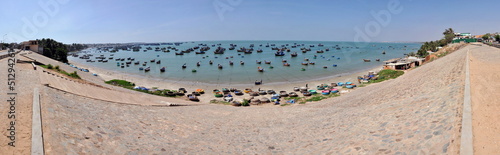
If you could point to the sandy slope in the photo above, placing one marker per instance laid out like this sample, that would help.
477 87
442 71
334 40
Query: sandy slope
419 112
485 90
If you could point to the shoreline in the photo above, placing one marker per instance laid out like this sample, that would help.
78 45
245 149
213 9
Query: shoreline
150 81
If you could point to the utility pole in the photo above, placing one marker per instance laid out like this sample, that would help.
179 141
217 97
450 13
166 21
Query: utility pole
3 41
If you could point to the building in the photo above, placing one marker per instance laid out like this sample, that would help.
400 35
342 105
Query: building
33 46
462 35
403 63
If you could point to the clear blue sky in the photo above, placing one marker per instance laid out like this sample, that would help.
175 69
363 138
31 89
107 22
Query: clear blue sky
110 21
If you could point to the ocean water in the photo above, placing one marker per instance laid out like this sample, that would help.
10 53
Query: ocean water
348 59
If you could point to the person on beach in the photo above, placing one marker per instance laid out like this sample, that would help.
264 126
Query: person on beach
306 86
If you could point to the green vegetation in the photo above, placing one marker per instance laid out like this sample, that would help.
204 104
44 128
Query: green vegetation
449 34
486 36
245 102
54 50
497 38
130 85
387 74
73 75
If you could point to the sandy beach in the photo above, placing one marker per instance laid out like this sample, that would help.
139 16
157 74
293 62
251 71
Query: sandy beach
151 82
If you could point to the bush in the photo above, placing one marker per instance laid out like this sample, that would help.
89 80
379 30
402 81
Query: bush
57 67
49 66
74 75
122 83
245 102
387 74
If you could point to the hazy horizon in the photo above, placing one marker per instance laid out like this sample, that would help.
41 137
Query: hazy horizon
71 21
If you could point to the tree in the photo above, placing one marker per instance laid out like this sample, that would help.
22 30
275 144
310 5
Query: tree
449 34
497 38
54 49
486 36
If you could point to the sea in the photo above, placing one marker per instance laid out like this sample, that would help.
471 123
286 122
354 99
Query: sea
341 59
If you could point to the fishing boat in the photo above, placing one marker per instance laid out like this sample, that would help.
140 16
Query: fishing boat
201 91
286 64
231 63
320 51
193 97
349 86
219 66
294 54
325 92
158 62
258 82
141 68
312 91
305 63
334 90
366 60
383 52
267 62
147 69
162 69
253 93
312 63
170 93
260 69
306 93
262 92
283 94
293 94
284 60
210 62
279 53
325 67
259 51
176 53
232 89
184 66
218 94
377 59
238 92
271 91
201 52
247 90
198 64
302 69
225 90
193 70
258 62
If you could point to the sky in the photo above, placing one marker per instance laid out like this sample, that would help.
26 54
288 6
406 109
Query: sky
123 21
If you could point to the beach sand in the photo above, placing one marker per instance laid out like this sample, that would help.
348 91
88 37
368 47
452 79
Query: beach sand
150 82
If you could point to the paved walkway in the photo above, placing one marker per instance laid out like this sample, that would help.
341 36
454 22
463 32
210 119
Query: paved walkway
485 90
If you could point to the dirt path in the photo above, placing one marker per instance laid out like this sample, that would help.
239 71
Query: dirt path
485 91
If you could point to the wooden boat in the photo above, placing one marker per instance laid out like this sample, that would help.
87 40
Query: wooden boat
377 59
219 66
262 92
305 63
279 53
258 62
284 60
170 93
201 91
312 91
184 66
201 52
218 94
236 103
210 62
158 62
283 94
325 67
293 94
231 63
366 60
334 90
260 69
141 68
152 60
294 54
325 92
321 51
147 69
232 89
193 97
238 92
259 51
225 90
271 92
258 82
176 53
193 70
383 52
312 63
253 93
242 62
296 89
162 69
183 90
247 90
198 64
286 64
267 62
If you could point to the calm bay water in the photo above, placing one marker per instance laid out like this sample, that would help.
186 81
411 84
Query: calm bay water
349 59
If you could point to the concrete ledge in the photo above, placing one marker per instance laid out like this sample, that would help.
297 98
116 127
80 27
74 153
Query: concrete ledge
36 128
466 147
